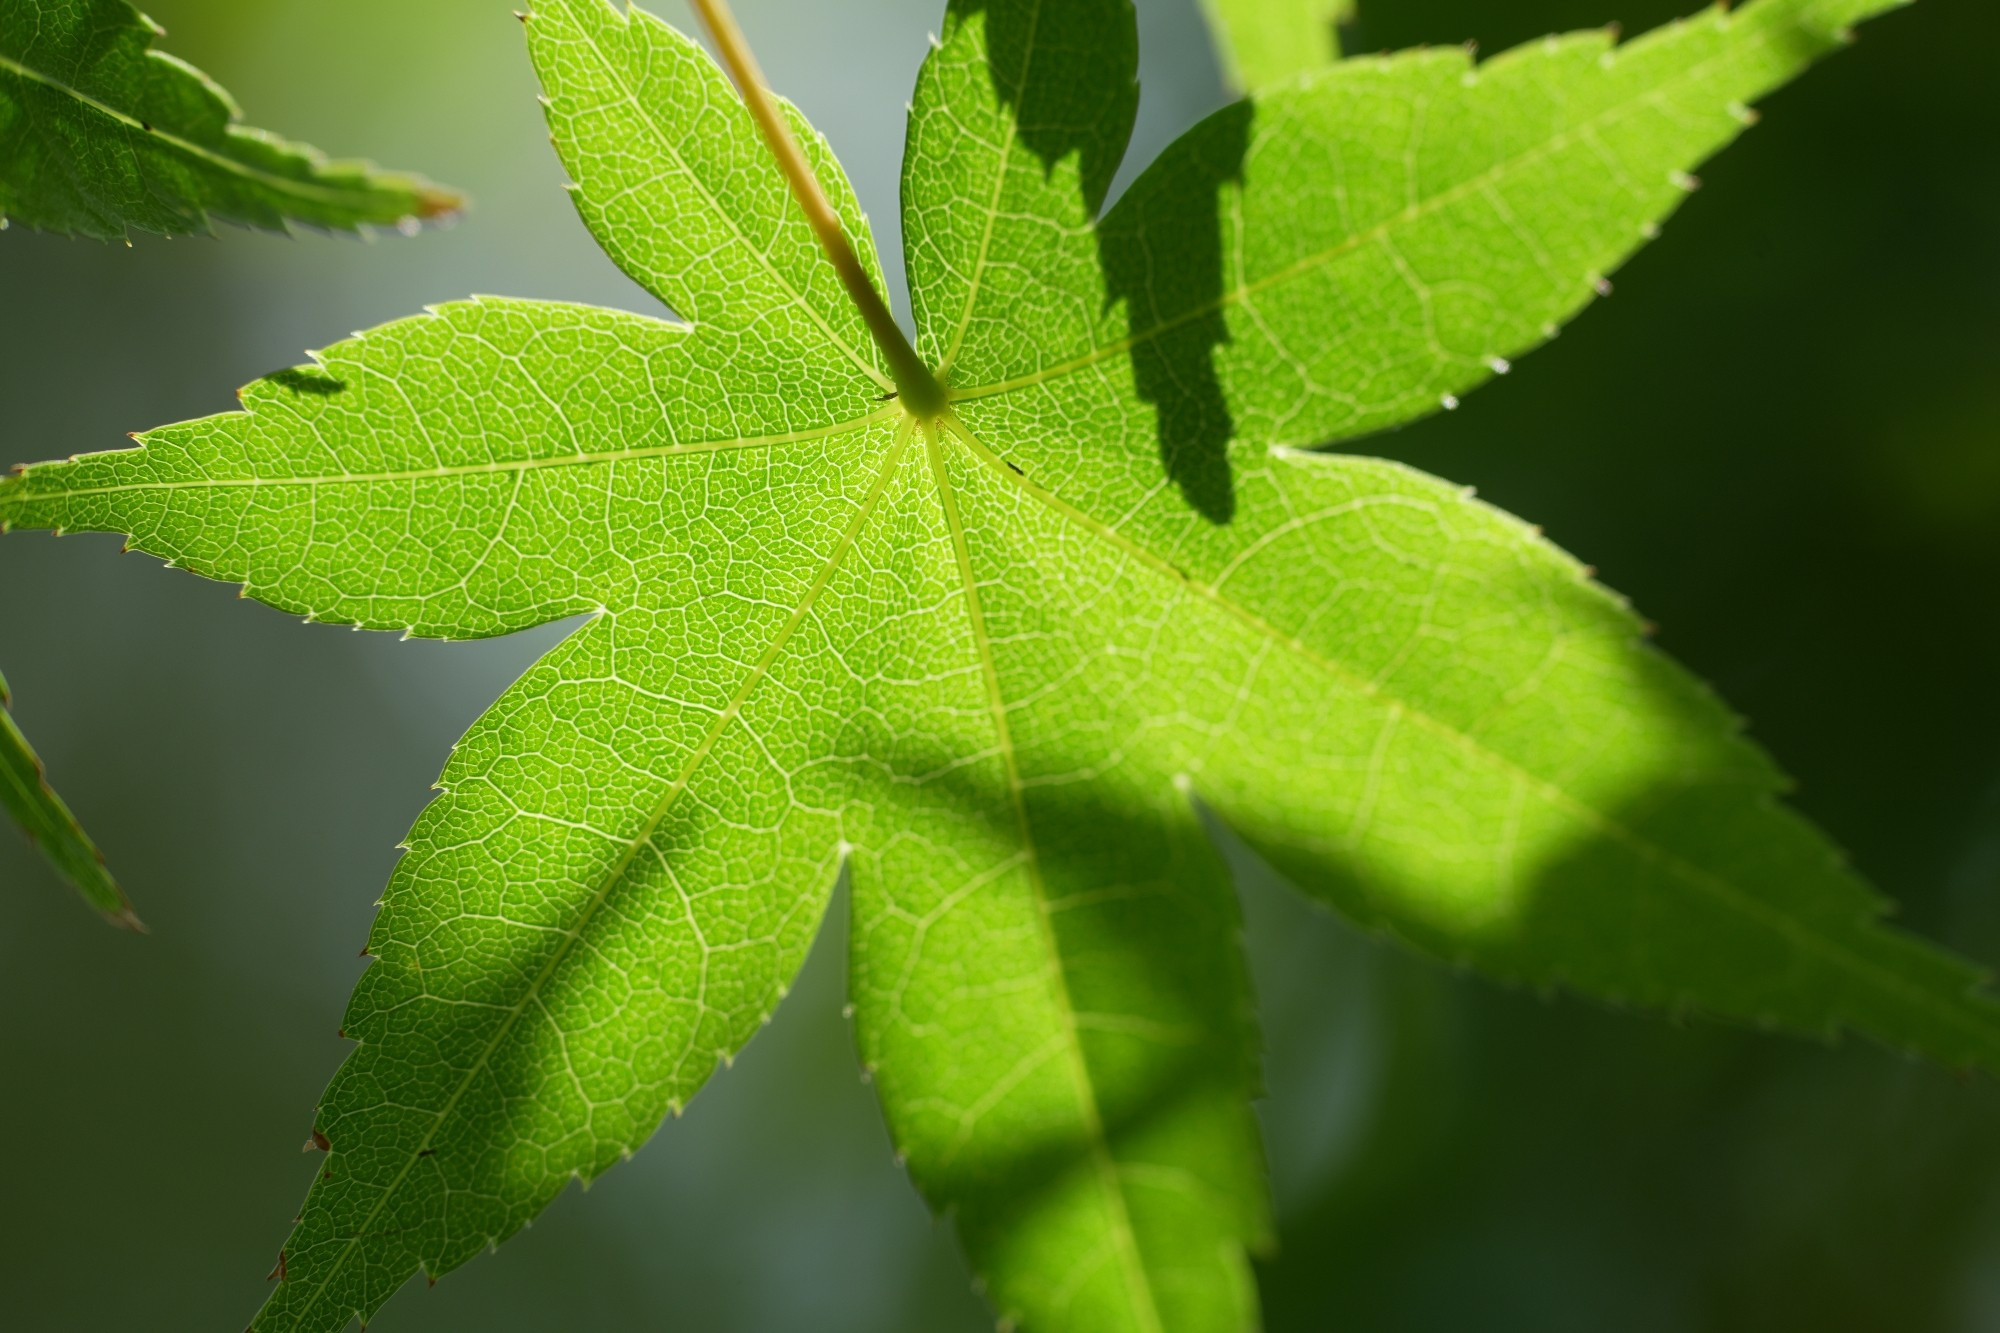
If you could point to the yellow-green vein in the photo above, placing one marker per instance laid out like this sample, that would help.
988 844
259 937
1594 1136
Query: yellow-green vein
673 152
993 201
11 494
1126 1239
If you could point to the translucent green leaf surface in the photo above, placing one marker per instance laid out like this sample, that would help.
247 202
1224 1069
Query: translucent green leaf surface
27 796
998 661
100 134
1262 42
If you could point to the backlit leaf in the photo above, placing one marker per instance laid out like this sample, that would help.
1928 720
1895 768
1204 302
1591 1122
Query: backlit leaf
999 661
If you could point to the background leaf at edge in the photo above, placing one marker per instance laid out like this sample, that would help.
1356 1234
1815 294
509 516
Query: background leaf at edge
49 824
1262 42
99 133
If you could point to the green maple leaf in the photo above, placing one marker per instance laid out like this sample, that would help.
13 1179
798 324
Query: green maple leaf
996 650
99 133
26 796
1263 42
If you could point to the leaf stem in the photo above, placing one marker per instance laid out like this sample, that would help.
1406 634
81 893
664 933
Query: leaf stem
919 390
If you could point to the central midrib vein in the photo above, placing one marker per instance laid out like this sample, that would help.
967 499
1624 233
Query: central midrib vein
13 491
1131 1261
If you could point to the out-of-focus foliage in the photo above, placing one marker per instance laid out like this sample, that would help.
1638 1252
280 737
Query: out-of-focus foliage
101 135
26 795
1260 42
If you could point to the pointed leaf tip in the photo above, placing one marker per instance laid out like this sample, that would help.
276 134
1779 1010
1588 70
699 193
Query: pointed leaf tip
46 819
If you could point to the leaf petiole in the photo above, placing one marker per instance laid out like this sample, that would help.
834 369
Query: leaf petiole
919 391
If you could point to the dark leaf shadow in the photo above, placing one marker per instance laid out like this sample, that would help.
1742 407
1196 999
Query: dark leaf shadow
1161 247
1150 921
1066 103
1162 252
307 379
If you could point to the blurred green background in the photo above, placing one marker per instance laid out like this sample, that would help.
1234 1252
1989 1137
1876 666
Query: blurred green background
1781 438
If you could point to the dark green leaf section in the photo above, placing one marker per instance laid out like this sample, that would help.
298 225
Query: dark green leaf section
43 816
1363 247
100 135
1470 748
